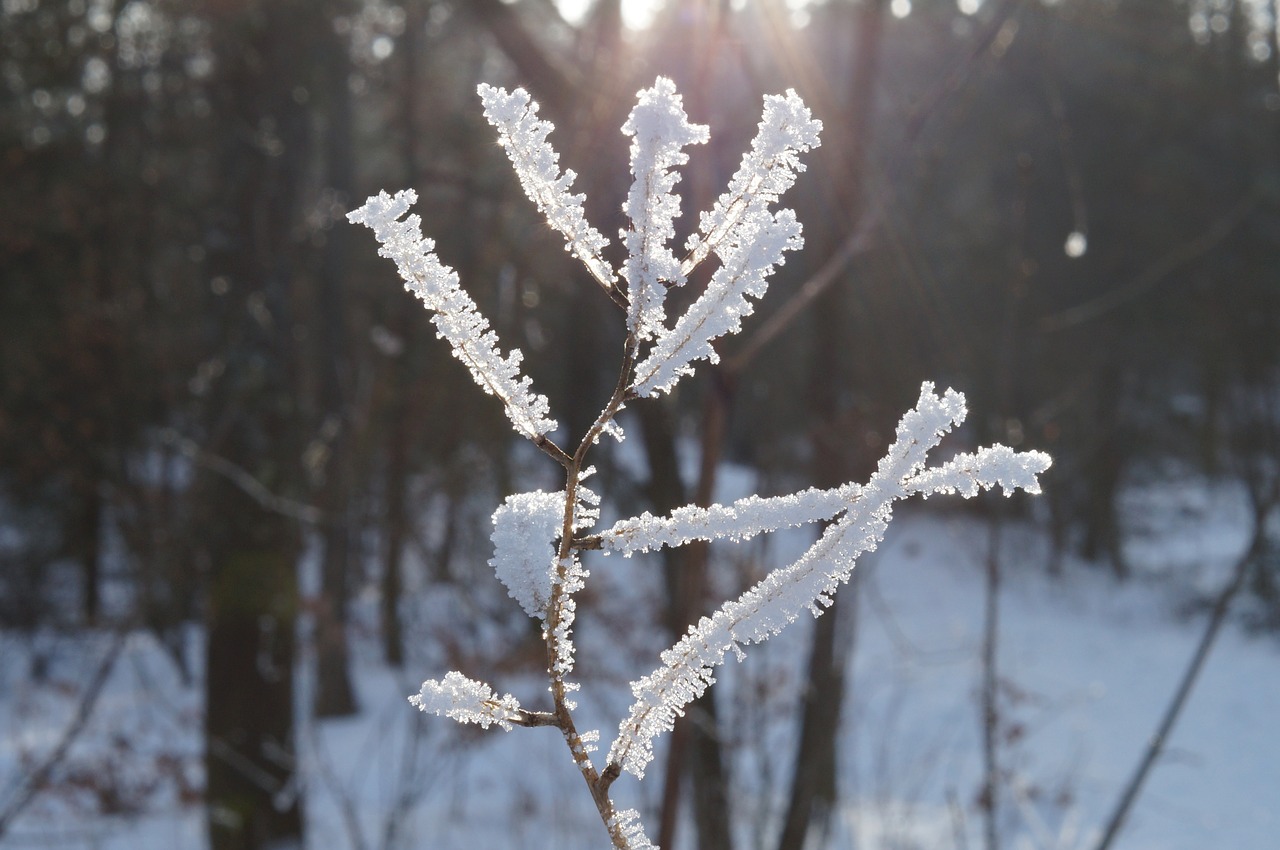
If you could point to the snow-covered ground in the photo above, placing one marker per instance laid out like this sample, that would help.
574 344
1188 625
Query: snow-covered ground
1087 666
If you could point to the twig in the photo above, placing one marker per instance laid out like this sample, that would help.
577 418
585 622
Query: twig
346 805
242 478
1155 746
990 685
1155 273
562 718
531 719
36 779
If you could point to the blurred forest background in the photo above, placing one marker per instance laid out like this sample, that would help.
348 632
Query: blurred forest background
1070 210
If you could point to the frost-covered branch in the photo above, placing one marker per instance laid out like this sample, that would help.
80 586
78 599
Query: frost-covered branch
808 584
720 308
525 530
524 137
539 538
970 473
627 824
747 237
456 318
467 701
568 576
965 474
659 130
767 170
741 520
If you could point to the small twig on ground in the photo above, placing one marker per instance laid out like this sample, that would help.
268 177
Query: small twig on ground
29 787
1155 746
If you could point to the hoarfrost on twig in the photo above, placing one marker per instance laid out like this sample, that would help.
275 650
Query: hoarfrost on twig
659 131
748 238
627 823
456 318
466 701
524 137
810 582
741 520
768 169
525 529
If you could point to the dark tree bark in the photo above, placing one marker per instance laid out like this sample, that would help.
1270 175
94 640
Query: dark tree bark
251 793
404 323
708 768
335 696
1103 465
814 790
394 539
813 785
989 720
694 744
86 536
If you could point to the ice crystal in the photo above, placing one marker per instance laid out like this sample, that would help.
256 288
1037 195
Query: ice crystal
627 823
741 520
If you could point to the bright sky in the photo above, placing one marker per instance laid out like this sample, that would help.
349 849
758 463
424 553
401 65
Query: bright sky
639 14
636 14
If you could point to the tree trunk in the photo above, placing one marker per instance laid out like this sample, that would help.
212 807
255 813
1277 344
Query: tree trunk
814 785
694 745
252 422
1102 473
252 793
335 696
989 796
87 538
394 528
814 790
396 519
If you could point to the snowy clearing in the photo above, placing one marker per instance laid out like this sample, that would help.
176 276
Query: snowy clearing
1086 664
